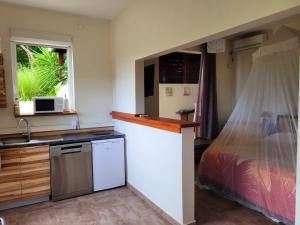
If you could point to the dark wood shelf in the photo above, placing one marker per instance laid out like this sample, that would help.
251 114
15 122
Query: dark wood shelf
69 113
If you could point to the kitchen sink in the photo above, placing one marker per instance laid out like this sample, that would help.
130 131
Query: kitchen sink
21 139
14 140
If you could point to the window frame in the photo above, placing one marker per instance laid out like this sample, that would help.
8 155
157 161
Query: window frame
44 43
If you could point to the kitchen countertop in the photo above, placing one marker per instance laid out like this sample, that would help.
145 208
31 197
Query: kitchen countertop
65 139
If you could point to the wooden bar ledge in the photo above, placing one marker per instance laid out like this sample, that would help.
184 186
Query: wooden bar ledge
154 121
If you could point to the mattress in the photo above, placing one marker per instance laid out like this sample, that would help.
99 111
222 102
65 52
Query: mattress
265 187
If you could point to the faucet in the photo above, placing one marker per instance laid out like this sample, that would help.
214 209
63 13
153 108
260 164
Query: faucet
28 132
2 222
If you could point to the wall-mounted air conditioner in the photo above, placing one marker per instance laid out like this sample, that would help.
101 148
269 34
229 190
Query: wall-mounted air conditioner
249 42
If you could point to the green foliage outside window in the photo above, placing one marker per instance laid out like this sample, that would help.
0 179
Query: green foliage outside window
39 73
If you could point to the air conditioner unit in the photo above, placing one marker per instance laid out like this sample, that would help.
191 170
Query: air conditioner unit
249 42
216 46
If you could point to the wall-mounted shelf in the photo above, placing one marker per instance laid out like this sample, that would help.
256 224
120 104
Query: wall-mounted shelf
69 113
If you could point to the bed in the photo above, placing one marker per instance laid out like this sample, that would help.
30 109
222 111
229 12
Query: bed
268 186
253 160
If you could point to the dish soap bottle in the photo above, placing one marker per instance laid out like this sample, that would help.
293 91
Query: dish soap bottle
66 104
17 107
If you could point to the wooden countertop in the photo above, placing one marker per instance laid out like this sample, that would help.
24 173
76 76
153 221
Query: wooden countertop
154 121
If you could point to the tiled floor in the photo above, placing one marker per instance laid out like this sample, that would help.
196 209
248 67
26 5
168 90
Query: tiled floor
122 207
214 210
113 207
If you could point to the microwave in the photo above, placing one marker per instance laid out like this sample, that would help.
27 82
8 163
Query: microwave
48 104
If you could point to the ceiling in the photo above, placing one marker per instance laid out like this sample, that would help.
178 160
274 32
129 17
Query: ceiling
94 8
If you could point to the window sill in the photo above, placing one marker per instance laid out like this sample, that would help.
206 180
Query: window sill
69 113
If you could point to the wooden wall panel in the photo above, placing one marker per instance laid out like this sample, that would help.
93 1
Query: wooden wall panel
10 176
35 172
2 84
10 158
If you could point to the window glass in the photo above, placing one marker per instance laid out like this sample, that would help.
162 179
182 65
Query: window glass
41 71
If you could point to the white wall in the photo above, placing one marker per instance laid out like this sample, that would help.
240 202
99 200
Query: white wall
92 64
169 105
158 165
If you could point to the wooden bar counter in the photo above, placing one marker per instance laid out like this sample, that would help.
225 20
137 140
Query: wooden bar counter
154 121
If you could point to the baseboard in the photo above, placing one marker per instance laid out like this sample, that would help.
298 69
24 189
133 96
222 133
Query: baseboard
23 203
155 207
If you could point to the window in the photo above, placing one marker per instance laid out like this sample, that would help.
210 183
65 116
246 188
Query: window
41 68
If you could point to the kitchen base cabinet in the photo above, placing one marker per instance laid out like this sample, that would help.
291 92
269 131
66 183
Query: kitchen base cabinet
10 176
24 174
35 172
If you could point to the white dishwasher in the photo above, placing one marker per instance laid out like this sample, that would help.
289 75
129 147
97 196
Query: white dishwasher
108 163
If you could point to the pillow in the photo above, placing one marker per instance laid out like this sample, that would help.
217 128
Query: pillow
282 138
287 123
268 123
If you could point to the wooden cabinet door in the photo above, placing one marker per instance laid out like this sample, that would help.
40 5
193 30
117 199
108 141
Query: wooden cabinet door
10 176
171 68
178 68
35 172
24 173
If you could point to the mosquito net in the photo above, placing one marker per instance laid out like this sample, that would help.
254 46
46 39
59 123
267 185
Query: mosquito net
254 158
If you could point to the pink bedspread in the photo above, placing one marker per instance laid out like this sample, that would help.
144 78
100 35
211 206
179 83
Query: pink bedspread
270 189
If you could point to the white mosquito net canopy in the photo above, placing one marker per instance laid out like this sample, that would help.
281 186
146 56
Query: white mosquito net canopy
262 130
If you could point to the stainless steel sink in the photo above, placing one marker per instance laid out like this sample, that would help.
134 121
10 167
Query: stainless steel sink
14 140
23 140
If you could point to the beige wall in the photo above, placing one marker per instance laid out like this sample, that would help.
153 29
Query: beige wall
92 64
166 106
226 81
150 27
231 78
147 28
169 105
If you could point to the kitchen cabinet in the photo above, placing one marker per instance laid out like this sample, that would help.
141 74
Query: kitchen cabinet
10 179
178 68
24 173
